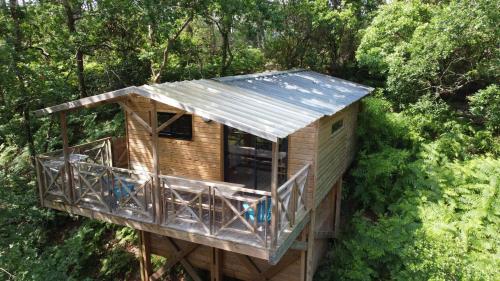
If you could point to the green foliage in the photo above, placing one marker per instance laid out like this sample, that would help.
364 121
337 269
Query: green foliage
429 212
118 264
383 169
424 185
377 129
443 49
485 105
391 29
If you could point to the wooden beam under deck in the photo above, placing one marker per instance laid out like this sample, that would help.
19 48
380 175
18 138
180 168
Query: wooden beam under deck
176 257
216 265
240 248
145 255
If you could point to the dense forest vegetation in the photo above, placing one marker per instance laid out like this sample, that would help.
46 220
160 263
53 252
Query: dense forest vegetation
422 200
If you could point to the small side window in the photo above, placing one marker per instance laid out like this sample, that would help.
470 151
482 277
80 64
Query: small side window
181 129
337 126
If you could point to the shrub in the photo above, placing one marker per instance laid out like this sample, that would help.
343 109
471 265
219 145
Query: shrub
485 105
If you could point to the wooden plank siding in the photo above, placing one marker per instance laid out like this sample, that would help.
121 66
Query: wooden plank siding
301 151
335 151
202 158
199 158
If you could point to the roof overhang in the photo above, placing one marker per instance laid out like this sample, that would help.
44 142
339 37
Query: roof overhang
270 105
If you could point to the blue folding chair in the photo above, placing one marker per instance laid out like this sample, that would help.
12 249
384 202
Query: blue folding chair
263 215
118 190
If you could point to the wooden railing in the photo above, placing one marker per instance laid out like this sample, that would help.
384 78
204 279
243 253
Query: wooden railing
98 152
217 209
292 201
113 190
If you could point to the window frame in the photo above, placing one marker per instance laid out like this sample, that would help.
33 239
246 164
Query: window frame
174 135
337 129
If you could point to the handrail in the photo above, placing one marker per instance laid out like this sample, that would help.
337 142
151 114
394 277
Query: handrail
218 207
75 146
207 183
292 203
293 178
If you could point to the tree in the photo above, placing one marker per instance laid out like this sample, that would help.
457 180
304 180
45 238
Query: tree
444 49
73 10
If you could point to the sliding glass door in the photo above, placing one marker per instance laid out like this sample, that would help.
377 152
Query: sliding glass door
248 159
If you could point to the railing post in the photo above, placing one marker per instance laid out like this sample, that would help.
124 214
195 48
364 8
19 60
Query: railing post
156 168
274 194
66 152
211 209
293 203
109 152
39 175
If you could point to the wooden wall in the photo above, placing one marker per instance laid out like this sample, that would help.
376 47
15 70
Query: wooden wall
200 158
301 151
335 151
330 155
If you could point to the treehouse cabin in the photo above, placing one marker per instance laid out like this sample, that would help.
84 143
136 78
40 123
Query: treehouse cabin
234 177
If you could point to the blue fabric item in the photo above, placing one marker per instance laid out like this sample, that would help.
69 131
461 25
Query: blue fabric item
262 215
120 191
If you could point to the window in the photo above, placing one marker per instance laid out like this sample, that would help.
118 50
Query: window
337 126
248 159
182 128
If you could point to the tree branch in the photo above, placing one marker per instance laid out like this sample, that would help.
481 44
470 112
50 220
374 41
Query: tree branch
166 51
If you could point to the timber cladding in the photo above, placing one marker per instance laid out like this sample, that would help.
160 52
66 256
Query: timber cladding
335 148
199 158
301 151
202 157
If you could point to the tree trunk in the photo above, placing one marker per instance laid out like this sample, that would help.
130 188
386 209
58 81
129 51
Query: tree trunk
71 22
15 14
227 56
225 47
80 72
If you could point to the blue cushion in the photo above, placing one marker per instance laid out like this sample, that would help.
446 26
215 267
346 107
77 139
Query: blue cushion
120 191
262 215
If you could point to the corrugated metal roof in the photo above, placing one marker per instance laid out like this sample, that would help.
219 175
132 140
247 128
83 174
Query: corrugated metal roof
310 90
270 105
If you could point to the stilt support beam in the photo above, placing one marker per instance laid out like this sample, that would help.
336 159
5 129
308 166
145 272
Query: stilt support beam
338 198
216 265
175 258
145 254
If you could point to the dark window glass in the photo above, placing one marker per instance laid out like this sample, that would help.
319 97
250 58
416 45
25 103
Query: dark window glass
182 128
248 159
337 126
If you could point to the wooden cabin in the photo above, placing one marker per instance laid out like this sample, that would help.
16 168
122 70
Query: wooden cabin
236 177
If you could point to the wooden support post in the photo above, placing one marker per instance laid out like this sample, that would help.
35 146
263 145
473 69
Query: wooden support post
311 231
293 204
338 198
184 262
310 246
216 265
303 257
274 194
156 168
173 259
39 175
68 179
145 254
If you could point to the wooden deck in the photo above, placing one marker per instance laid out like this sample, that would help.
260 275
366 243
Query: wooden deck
216 214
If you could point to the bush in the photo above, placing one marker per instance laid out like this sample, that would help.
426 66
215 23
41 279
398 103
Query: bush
429 211
485 105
